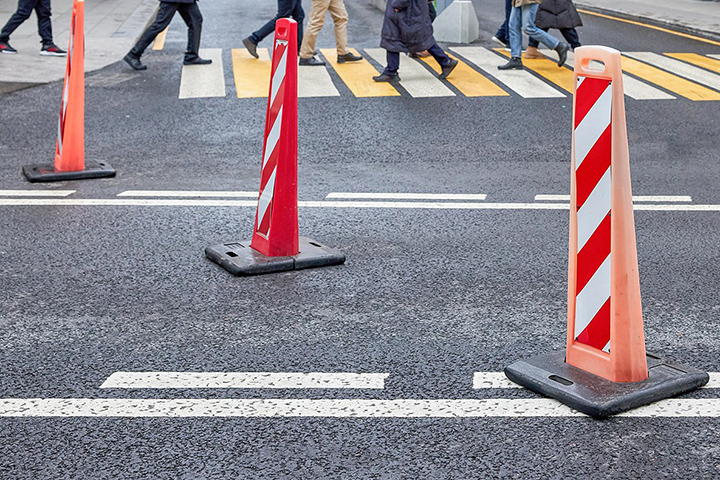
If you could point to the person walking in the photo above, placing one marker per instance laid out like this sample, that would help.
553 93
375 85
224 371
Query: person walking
315 24
561 15
501 37
407 27
43 12
522 19
286 9
190 13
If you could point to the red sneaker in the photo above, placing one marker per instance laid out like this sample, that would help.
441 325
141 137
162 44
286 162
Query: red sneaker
6 48
52 51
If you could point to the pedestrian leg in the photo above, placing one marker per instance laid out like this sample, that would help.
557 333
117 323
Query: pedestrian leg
339 15
393 63
285 10
298 14
162 20
528 26
43 12
190 12
315 24
572 37
25 8
439 55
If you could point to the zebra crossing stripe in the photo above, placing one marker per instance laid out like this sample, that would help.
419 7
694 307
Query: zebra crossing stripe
415 78
679 68
668 81
252 75
203 81
469 81
357 76
315 82
546 68
698 60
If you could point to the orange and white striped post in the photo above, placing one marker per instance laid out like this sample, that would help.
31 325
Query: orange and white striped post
605 369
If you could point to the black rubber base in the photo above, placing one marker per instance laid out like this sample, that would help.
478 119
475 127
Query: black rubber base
242 260
47 173
596 396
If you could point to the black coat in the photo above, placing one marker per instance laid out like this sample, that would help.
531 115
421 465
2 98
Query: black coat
557 14
408 30
178 1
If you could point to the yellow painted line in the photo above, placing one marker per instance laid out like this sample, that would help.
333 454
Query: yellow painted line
699 60
653 27
668 81
468 80
358 76
159 42
547 68
252 75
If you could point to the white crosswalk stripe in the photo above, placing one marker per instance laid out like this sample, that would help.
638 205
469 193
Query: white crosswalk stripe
203 81
315 82
417 80
677 67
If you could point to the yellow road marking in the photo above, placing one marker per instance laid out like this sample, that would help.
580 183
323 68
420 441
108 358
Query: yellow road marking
546 68
252 75
468 80
668 81
159 42
666 30
699 60
358 76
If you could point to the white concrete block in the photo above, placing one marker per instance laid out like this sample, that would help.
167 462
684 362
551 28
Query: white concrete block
458 23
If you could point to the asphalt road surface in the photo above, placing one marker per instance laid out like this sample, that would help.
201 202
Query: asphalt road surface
435 290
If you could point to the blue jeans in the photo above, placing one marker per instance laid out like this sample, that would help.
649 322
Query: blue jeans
502 32
522 19
286 9
393 59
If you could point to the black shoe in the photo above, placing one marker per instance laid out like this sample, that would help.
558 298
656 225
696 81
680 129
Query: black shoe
514 64
312 61
197 61
384 77
6 48
251 47
501 41
349 57
134 62
562 51
52 51
446 70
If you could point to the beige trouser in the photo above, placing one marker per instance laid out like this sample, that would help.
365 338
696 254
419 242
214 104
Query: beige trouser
315 24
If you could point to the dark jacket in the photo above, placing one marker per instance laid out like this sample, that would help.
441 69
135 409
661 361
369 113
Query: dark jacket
557 14
178 1
408 30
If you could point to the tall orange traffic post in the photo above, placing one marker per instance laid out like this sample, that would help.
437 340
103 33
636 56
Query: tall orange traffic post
605 369
276 245
70 147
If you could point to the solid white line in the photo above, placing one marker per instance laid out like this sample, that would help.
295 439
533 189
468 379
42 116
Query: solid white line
36 193
190 193
415 78
592 297
521 82
331 408
244 380
203 81
636 198
409 196
315 82
146 202
677 67
482 380
592 126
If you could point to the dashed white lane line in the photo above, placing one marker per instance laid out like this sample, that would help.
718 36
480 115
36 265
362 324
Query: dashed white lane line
407 196
636 198
332 408
36 193
288 380
188 193
122 202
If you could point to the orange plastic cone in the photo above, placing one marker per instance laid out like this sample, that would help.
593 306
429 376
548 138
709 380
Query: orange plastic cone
70 147
605 369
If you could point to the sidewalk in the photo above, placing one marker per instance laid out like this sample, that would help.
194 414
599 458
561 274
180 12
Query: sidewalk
694 16
111 28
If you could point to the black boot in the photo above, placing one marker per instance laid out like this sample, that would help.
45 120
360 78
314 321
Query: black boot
134 62
515 63
562 51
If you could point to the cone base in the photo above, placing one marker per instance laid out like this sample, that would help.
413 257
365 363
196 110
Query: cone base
47 173
240 259
596 396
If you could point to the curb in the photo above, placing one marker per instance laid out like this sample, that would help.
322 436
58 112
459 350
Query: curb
678 27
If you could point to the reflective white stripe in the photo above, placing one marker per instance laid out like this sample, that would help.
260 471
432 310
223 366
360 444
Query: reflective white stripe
606 348
636 198
677 67
580 80
273 137
591 299
594 210
592 126
266 197
279 76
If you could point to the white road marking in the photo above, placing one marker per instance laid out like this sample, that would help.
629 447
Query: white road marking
187 193
482 380
522 82
315 82
146 202
36 193
415 78
244 380
633 87
677 67
636 198
331 408
409 196
203 81
714 55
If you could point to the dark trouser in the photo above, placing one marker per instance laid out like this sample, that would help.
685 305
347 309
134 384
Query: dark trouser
25 8
570 34
502 32
433 12
193 19
393 59
286 9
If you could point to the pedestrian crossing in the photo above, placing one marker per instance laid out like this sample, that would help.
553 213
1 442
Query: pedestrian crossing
646 76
